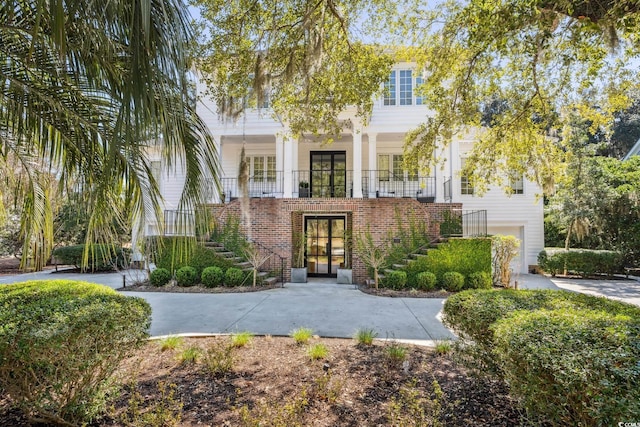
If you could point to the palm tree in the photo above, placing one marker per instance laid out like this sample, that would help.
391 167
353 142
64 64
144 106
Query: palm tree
86 88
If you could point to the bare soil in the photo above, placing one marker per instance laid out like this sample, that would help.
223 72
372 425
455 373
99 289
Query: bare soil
273 382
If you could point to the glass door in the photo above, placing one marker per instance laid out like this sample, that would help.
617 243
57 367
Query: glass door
328 174
325 245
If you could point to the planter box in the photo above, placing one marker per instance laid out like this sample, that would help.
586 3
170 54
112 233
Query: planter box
299 275
345 276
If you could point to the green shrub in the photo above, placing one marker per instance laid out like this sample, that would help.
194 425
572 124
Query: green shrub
234 277
186 276
301 335
426 281
467 255
61 341
365 336
583 262
101 257
173 253
479 280
572 367
452 281
212 277
471 313
160 277
395 279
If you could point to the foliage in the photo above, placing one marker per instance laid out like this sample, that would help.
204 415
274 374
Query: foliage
212 277
186 276
470 314
572 366
301 335
256 256
544 59
234 277
190 354
365 336
583 262
426 281
413 408
479 280
276 413
395 354
373 255
160 277
466 256
443 347
166 411
241 339
60 343
299 244
173 253
394 279
318 351
248 60
171 342
451 224
219 358
409 236
504 248
452 281
94 80
230 236
101 257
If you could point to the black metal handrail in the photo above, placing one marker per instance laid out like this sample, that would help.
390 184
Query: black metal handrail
463 223
274 263
385 183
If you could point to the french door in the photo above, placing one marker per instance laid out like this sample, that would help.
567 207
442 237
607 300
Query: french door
325 245
328 174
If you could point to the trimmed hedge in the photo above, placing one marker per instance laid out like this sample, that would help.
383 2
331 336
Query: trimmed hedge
583 262
212 277
453 281
572 367
465 255
60 342
548 344
479 280
187 276
394 279
234 277
174 253
101 257
426 281
160 277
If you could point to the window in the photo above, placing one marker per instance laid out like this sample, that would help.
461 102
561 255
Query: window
383 167
406 87
263 168
516 183
419 99
465 185
390 90
398 172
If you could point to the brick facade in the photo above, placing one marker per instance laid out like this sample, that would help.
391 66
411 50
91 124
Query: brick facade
274 222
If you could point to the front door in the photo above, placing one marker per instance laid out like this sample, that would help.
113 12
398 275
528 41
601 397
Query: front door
328 174
325 245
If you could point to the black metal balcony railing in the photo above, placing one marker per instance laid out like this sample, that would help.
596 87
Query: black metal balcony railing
387 184
336 184
463 223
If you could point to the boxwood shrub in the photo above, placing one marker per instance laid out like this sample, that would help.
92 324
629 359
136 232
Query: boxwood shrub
234 277
173 253
426 281
101 257
453 281
212 277
160 277
583 262
186 276
572 367
61 341
395 279
479 280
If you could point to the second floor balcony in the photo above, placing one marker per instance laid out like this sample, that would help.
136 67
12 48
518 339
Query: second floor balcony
334 184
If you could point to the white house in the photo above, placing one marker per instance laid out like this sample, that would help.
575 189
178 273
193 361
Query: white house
306 185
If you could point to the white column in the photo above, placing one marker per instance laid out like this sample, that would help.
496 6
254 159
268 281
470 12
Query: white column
288 163
211 197
373 163
280 158
357 160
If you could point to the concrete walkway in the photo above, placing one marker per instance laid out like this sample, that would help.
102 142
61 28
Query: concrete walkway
331 310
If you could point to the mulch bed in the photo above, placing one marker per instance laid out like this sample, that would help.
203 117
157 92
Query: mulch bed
273 380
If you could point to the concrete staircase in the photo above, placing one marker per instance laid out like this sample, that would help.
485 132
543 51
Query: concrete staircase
264 277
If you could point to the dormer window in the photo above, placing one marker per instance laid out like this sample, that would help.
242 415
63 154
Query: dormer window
399 88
